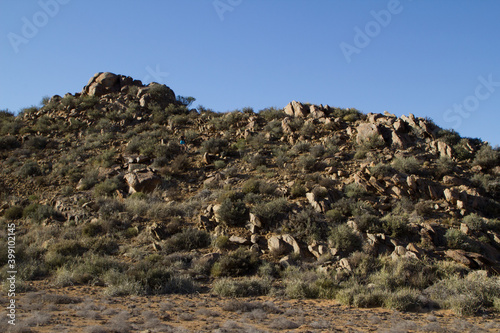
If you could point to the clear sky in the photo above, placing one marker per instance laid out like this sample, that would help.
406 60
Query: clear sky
437 59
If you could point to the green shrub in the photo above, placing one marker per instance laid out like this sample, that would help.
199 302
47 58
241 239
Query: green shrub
30 168
232 212
368 223
227 287
306 162
187 240
381 170
214 146
38 213
307 225
487 157
456 239
360 296
466 296
298 190
301 147
270 114
237 263
343 238
475 222
445 166
9 142
109 187
335 216
354 190
451 137
396 225
13 213
409 165
405 299
92 229
219 164
270 212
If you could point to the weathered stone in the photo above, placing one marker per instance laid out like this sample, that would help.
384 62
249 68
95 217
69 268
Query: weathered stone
367 132
239 240
276 245
293 242
314 203
296 109
142 180
344 264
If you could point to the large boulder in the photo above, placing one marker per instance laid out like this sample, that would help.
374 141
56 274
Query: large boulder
367 131
105 83
142 180
297 109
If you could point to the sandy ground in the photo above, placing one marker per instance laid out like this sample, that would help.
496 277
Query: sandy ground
85 309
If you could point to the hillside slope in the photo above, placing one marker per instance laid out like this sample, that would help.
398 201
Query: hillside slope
304 201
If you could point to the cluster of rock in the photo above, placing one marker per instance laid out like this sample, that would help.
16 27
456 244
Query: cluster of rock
451 195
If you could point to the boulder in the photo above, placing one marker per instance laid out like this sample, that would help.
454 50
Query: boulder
142 180
367 131
105 83
276 245
296 109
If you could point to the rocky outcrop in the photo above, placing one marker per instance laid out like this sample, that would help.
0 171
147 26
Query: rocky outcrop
142 180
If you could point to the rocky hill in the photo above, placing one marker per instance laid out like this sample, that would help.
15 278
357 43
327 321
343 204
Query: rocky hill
305 201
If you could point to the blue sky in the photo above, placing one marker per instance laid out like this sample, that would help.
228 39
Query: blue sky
437 59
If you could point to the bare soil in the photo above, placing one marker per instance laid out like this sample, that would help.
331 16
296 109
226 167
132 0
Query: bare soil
86 309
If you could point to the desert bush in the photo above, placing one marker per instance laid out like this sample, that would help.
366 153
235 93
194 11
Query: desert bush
187 240
246 287
180 164
381 170
298 190
29 169
408 165
487 157
343 238
109 187
107 158
301 147
9 142
270 212
368 223
232 212
354 190
405 299
274 128
488 183
270 114
475 222
38 213
466 296
214 146
374 141
257 160
449 136
456 239
308 129
444 166
396 225
13 213
219 164
334 216
360 296
404 272
307 225
237 263
306 162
